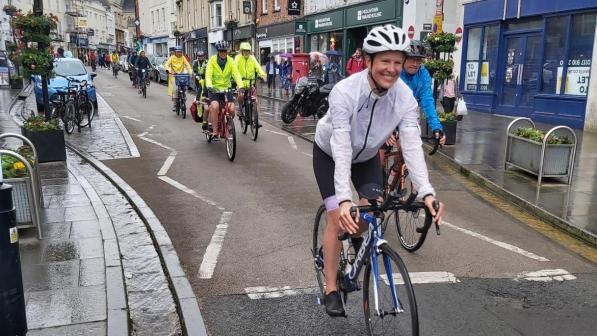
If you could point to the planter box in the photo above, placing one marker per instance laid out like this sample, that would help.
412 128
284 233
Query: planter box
22 200
526 155
50 145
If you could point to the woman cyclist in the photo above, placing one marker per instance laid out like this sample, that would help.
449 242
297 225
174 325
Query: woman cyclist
365 109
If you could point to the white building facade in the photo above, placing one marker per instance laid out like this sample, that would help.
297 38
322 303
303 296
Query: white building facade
157 24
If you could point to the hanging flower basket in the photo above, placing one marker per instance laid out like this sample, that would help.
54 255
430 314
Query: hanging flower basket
440 69
35 24
36 62
10 10
441 42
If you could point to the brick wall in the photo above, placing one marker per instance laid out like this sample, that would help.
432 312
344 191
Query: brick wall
272 15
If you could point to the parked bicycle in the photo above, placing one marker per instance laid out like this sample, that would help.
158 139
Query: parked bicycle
250 116
72 106
182 83
225 127
388 297
412 222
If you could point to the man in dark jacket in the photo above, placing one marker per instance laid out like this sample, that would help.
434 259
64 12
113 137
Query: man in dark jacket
142 63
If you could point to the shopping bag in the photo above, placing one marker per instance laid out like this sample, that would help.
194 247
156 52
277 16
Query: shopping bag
461 107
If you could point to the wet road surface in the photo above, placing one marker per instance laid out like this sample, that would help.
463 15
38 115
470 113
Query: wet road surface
246 226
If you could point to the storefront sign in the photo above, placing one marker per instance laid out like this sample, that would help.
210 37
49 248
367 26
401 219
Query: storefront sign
370 13
300 27
247 7
82 22
326 22
294 7
240 33
577 80
284 29
472 69
484 84
427 26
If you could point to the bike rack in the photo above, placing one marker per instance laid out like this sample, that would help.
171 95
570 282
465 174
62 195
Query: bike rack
33 196
35 159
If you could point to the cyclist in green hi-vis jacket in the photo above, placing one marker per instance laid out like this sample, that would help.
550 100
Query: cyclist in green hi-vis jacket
220 70
248 67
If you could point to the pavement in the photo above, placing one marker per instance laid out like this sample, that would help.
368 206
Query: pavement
105 265
479 154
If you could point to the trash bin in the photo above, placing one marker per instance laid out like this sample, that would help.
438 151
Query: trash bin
13 318
300 66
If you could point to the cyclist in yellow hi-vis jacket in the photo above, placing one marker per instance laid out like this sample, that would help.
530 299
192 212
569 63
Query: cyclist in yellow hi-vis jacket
220 70
176 64
248 67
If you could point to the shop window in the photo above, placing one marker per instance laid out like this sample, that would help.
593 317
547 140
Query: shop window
555 42
472 59
489 59
290 44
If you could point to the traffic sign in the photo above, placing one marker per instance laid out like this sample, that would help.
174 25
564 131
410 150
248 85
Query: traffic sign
458 34
137 22
411 32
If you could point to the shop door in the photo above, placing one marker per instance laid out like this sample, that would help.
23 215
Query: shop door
521 73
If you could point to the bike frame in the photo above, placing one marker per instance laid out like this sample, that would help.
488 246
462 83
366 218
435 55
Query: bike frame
374 239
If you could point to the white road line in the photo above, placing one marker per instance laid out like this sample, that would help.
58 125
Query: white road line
156 143
210 258
503 245
167 164
278 133
546 275
131 118
423 278
142 134
257 293
189 191
309 155
292 143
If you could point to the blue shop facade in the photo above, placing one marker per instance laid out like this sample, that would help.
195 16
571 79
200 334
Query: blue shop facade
529 58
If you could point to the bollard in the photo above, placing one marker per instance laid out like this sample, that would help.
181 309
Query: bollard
13 318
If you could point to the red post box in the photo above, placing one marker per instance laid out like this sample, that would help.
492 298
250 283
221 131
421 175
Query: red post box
300 66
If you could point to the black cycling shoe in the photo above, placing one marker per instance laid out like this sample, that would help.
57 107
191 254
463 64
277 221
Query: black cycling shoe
333 304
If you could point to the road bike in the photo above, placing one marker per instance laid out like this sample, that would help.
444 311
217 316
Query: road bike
225 127
389 302
250 116
72 105
412 222
182 82
115 69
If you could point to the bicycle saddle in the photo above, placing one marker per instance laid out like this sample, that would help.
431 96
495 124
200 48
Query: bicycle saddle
371 191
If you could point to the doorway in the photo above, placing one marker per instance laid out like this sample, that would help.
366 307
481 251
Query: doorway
521 73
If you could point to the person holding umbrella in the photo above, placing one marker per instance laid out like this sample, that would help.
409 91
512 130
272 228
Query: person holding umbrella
270 70
356 63
333 71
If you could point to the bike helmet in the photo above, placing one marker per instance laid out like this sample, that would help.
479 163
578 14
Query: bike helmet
417 49
178 49
200 53
386 38
245 46
222 45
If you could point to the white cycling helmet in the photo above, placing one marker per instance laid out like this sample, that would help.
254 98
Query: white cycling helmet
386 38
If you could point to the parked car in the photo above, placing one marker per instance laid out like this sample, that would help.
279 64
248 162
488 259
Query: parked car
69 67
161 76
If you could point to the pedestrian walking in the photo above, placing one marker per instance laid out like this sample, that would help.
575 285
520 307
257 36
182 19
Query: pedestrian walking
449 92
270 70
333 71
356 63
316 71
285 75
102 60
108 60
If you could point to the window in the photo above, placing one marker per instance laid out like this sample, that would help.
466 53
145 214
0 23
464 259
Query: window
472 59
290 44
575 62
263 6
276 5
490 52
216 14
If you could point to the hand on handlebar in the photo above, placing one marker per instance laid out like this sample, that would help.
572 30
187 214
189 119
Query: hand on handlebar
436 208
392 140
438 134
347 222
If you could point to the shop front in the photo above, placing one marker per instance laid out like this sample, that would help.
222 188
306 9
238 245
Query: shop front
276 39
197 41
537 65
238 35
345 29
156 46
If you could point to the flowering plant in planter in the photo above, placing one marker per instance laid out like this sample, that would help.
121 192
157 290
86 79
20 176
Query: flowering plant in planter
32 23
12 167
440 69
442 42
39 123
538 135
34 29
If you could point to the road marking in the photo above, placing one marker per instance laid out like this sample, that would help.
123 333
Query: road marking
210 258
155 142
503 245
292 143
188 190
131 118
546 275
142 134
167 164
422 278
278 133
257 293
309 155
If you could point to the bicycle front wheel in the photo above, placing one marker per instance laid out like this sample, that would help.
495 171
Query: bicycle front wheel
230 139
183 107
412 225
86 113
254 120
69 118
396 311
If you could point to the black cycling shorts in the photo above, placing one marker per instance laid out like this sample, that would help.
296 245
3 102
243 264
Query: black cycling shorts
220 97
366 177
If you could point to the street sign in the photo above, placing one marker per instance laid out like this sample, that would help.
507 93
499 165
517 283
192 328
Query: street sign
427 26
438 22
458 34
137 22
247 7
294 7
300 27
411 32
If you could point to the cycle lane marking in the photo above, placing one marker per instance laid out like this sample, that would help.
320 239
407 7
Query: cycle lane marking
546 275
292 143
210 258
167 164
131 118
498 243
189 191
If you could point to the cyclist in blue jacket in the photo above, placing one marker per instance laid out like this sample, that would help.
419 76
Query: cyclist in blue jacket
416 76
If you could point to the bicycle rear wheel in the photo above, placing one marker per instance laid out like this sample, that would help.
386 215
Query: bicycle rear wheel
254 120
69 118
392 274
412 225
183 107
86 112
144 90
230 139
244 121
